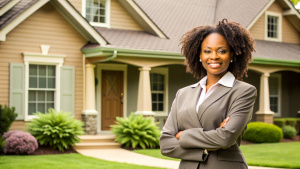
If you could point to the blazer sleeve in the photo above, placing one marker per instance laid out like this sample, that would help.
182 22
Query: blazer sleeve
169 144
239 116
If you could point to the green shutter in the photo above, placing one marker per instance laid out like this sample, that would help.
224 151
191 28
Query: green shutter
67 89
17 89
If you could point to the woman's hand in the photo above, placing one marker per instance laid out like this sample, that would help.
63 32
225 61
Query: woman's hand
178 135
223 123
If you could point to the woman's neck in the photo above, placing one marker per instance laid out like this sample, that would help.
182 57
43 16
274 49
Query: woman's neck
212 79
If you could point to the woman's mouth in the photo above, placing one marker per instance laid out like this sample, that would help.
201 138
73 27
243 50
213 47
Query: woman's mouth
214 65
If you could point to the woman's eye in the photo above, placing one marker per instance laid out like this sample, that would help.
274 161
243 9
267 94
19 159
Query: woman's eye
222 51
207 51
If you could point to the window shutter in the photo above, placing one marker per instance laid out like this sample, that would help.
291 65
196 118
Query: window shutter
17 89
67 89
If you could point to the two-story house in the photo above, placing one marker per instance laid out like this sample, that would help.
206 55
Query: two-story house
100 59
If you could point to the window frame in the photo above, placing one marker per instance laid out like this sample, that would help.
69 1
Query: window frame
107 14
42 59
165 72
279 27
276 75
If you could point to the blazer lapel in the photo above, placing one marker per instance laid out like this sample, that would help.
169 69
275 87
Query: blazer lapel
218 93
194 94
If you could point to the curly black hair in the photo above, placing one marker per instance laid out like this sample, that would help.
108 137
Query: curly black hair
238 38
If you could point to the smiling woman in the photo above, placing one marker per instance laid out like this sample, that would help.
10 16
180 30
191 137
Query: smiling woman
208 119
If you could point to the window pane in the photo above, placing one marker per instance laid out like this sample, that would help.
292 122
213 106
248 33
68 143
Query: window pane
161 87
41 107
49 105
160 97
31 108
50 96
41 96
51 70
160 107
154 97
32 95
33 70
32 82
42 70
155 86
154 107
51 83
42 82
102 19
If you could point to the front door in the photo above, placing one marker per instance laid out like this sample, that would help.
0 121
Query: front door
112 98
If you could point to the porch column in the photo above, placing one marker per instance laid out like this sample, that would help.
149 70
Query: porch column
89 115
264 113
144 103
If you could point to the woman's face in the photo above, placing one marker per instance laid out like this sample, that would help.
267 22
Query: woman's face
215 55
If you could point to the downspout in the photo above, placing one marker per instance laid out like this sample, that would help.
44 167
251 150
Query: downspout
111 57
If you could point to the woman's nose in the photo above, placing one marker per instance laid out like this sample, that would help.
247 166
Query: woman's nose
214 55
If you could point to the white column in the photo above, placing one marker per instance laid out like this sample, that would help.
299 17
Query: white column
90 108
144 103
264 112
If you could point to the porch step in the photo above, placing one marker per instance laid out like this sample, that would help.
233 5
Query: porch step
97 142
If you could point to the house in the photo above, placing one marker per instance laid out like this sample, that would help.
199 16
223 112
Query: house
100 59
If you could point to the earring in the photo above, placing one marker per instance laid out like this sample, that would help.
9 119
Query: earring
200 60
231 61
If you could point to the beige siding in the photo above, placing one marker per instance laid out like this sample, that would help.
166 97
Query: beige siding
289 33
77 4
47 27
18 125
121 19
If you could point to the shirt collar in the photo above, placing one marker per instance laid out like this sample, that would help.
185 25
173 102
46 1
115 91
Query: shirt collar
227 80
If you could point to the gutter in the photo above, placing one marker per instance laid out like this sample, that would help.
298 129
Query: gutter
111 57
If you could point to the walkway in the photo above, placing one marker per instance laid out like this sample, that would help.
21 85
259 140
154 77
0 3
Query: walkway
125 156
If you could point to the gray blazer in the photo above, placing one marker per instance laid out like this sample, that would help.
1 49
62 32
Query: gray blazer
201 130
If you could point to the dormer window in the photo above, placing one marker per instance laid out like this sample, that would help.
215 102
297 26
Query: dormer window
273 26
97 12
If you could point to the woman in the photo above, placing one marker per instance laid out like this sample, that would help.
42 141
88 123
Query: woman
207 119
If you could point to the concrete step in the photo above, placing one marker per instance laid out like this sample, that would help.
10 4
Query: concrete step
103 145
97 142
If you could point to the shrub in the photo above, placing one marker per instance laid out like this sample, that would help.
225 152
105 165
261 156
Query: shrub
2 143
56 129
291 122
7 116
288 132
136 131
260 132
18 142
279 122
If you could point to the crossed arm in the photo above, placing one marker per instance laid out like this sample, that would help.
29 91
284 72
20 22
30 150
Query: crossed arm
192 142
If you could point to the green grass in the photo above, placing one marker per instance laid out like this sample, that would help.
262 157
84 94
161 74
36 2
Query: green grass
282 155
64 161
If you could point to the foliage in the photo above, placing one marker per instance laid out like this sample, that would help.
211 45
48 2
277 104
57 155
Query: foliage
136 131
56 129
18 142
2 143
291 121
7 116
288 132
62 161
295 2
260 132
279 122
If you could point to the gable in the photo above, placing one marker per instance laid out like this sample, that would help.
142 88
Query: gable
289 32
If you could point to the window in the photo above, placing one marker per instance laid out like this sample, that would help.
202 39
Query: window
273 26
275 93
97 12
158 82
41 89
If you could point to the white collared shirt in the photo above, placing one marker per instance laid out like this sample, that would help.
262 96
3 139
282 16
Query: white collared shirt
227 80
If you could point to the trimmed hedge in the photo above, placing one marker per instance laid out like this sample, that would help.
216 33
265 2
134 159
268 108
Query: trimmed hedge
294 122
260 132
288 132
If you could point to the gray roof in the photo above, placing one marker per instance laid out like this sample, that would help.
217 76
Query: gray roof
15 11
3 3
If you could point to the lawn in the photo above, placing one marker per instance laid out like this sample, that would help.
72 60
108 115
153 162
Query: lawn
282 155
63 161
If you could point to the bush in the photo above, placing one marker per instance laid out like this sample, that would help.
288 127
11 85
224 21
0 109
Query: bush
56 129
2 143
260 132
18 142
136 131
291 122
288 132
279 122
7 116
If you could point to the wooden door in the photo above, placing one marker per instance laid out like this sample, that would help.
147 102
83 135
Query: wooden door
112 98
